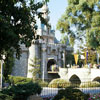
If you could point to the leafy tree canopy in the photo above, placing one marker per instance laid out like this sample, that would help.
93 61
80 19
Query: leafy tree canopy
82 19
18 23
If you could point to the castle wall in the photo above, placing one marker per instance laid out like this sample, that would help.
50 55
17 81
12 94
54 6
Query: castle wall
20 66
34 51
44 61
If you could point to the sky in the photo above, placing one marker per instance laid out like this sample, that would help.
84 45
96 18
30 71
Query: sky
57 8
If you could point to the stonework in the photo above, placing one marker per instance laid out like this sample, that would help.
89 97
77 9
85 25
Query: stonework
45 48
20 66
79 74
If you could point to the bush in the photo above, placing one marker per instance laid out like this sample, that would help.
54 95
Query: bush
59 83
5 97
90 84
41 82
22 91
23 80
19 80
71 94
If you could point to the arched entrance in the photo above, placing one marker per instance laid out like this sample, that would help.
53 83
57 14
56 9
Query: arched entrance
50 63
52 74
97 79
75 81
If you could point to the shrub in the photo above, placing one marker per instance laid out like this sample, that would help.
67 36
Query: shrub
71 94
19 80
41 82
90 84
5 97
22 91
59 83
23 80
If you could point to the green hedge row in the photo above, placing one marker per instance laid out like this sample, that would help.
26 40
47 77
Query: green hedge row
23 80
18 80
61 83
20 91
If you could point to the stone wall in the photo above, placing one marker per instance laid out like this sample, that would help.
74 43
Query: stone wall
20 66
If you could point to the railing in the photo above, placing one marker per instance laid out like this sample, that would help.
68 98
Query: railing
86 87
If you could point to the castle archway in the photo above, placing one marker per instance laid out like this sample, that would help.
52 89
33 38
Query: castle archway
97 79
75 80
50 63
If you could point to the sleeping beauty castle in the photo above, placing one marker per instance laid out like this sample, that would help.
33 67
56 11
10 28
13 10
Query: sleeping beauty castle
46 48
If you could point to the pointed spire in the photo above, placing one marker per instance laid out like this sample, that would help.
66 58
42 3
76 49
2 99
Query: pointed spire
45 11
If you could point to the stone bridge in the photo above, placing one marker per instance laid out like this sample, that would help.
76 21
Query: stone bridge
80 74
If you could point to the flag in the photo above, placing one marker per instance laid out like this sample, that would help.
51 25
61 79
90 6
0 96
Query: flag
86 56
76 58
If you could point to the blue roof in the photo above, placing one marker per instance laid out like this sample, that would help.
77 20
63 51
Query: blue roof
56 41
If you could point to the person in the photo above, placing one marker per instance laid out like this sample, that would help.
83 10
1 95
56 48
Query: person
94 65
98 66
91 66
68 66
57 68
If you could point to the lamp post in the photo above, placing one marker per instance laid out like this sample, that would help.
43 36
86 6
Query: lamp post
1 72
2 61
97 57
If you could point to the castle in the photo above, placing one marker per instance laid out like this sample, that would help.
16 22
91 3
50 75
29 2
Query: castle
47 48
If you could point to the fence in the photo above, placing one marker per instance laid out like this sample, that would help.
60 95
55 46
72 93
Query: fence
86 87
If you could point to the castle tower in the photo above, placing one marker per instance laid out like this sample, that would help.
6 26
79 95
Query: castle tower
38 47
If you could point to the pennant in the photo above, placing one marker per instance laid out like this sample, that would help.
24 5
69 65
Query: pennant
76 58
86 57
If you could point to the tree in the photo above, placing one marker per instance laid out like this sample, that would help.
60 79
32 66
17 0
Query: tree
18 23
64 39
82 19
35 64
8 64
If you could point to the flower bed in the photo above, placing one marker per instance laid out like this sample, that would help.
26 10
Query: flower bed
94 97
48 97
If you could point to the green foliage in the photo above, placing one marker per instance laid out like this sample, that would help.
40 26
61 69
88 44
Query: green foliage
71 94
19 80
81 19
92 56
8 64
70 58
59 83
5 97
72 40
22 91
14 80
18 23
41 82
90 84
64 40
35 70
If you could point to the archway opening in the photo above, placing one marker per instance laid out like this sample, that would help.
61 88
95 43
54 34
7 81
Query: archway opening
75 81
50 63
97 79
